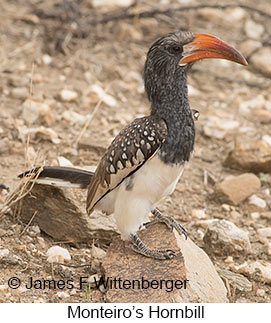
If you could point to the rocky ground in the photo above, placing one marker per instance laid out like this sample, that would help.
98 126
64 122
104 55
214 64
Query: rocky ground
71 79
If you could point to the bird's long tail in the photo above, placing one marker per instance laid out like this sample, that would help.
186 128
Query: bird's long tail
61 176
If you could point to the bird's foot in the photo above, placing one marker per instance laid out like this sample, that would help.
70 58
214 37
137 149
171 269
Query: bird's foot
169 221
139 246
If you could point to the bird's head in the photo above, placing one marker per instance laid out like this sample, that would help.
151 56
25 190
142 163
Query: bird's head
171 56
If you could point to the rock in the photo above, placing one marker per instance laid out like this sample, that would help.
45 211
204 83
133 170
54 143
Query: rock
235 189
62 161
68 95
33 110
10 260
33 230
111 3
73 117
267 246
218 128
265 232
262 60
257 201
257 102
40 132
62 215
252 156
58 254
261 271
4 252
199 214
191 263
97 253
19 93
235 280
225 238
102 95
62 294
47 59
41 242
260 292
255 215
253 29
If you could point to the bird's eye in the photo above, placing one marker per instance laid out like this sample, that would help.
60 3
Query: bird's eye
175 49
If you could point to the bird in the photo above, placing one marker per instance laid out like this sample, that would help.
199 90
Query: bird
146 159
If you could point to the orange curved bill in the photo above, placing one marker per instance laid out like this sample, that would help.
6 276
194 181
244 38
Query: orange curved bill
206 46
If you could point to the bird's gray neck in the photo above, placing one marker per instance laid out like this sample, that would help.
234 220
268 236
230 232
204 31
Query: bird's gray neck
172 105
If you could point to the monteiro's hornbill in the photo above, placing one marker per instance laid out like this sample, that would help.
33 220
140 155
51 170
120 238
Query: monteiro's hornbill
146 159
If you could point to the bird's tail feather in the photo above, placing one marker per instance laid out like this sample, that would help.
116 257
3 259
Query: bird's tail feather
61 176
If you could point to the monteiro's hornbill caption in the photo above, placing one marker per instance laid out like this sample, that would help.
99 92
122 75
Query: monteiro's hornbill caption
146 159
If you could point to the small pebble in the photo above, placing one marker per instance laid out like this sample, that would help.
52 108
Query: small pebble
58 254
199 214
68 95
260 292
4 252
47 59
257 201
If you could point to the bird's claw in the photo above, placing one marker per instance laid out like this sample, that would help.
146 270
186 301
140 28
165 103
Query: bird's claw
170 222
161 254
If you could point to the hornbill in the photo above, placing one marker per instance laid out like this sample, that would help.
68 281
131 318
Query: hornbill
146 159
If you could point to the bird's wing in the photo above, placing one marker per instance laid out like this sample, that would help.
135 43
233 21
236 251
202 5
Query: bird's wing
131 148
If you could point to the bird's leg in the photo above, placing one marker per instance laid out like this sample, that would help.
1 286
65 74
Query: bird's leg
169 221
139 246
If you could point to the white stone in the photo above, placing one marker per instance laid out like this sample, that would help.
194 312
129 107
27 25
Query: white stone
34 230
217 127
258 102
4 252
41 242
97 253
62 294
111 3
266 139
200 214
20 93
255 215
260 292
44 132
226 207
253 29
265 232
265 270
33 110
257 201
68 95
47 59
73 117
62 161
106 98
58 254
262 60
237 14
222 234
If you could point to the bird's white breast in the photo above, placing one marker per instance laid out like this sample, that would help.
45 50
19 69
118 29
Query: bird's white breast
139 193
